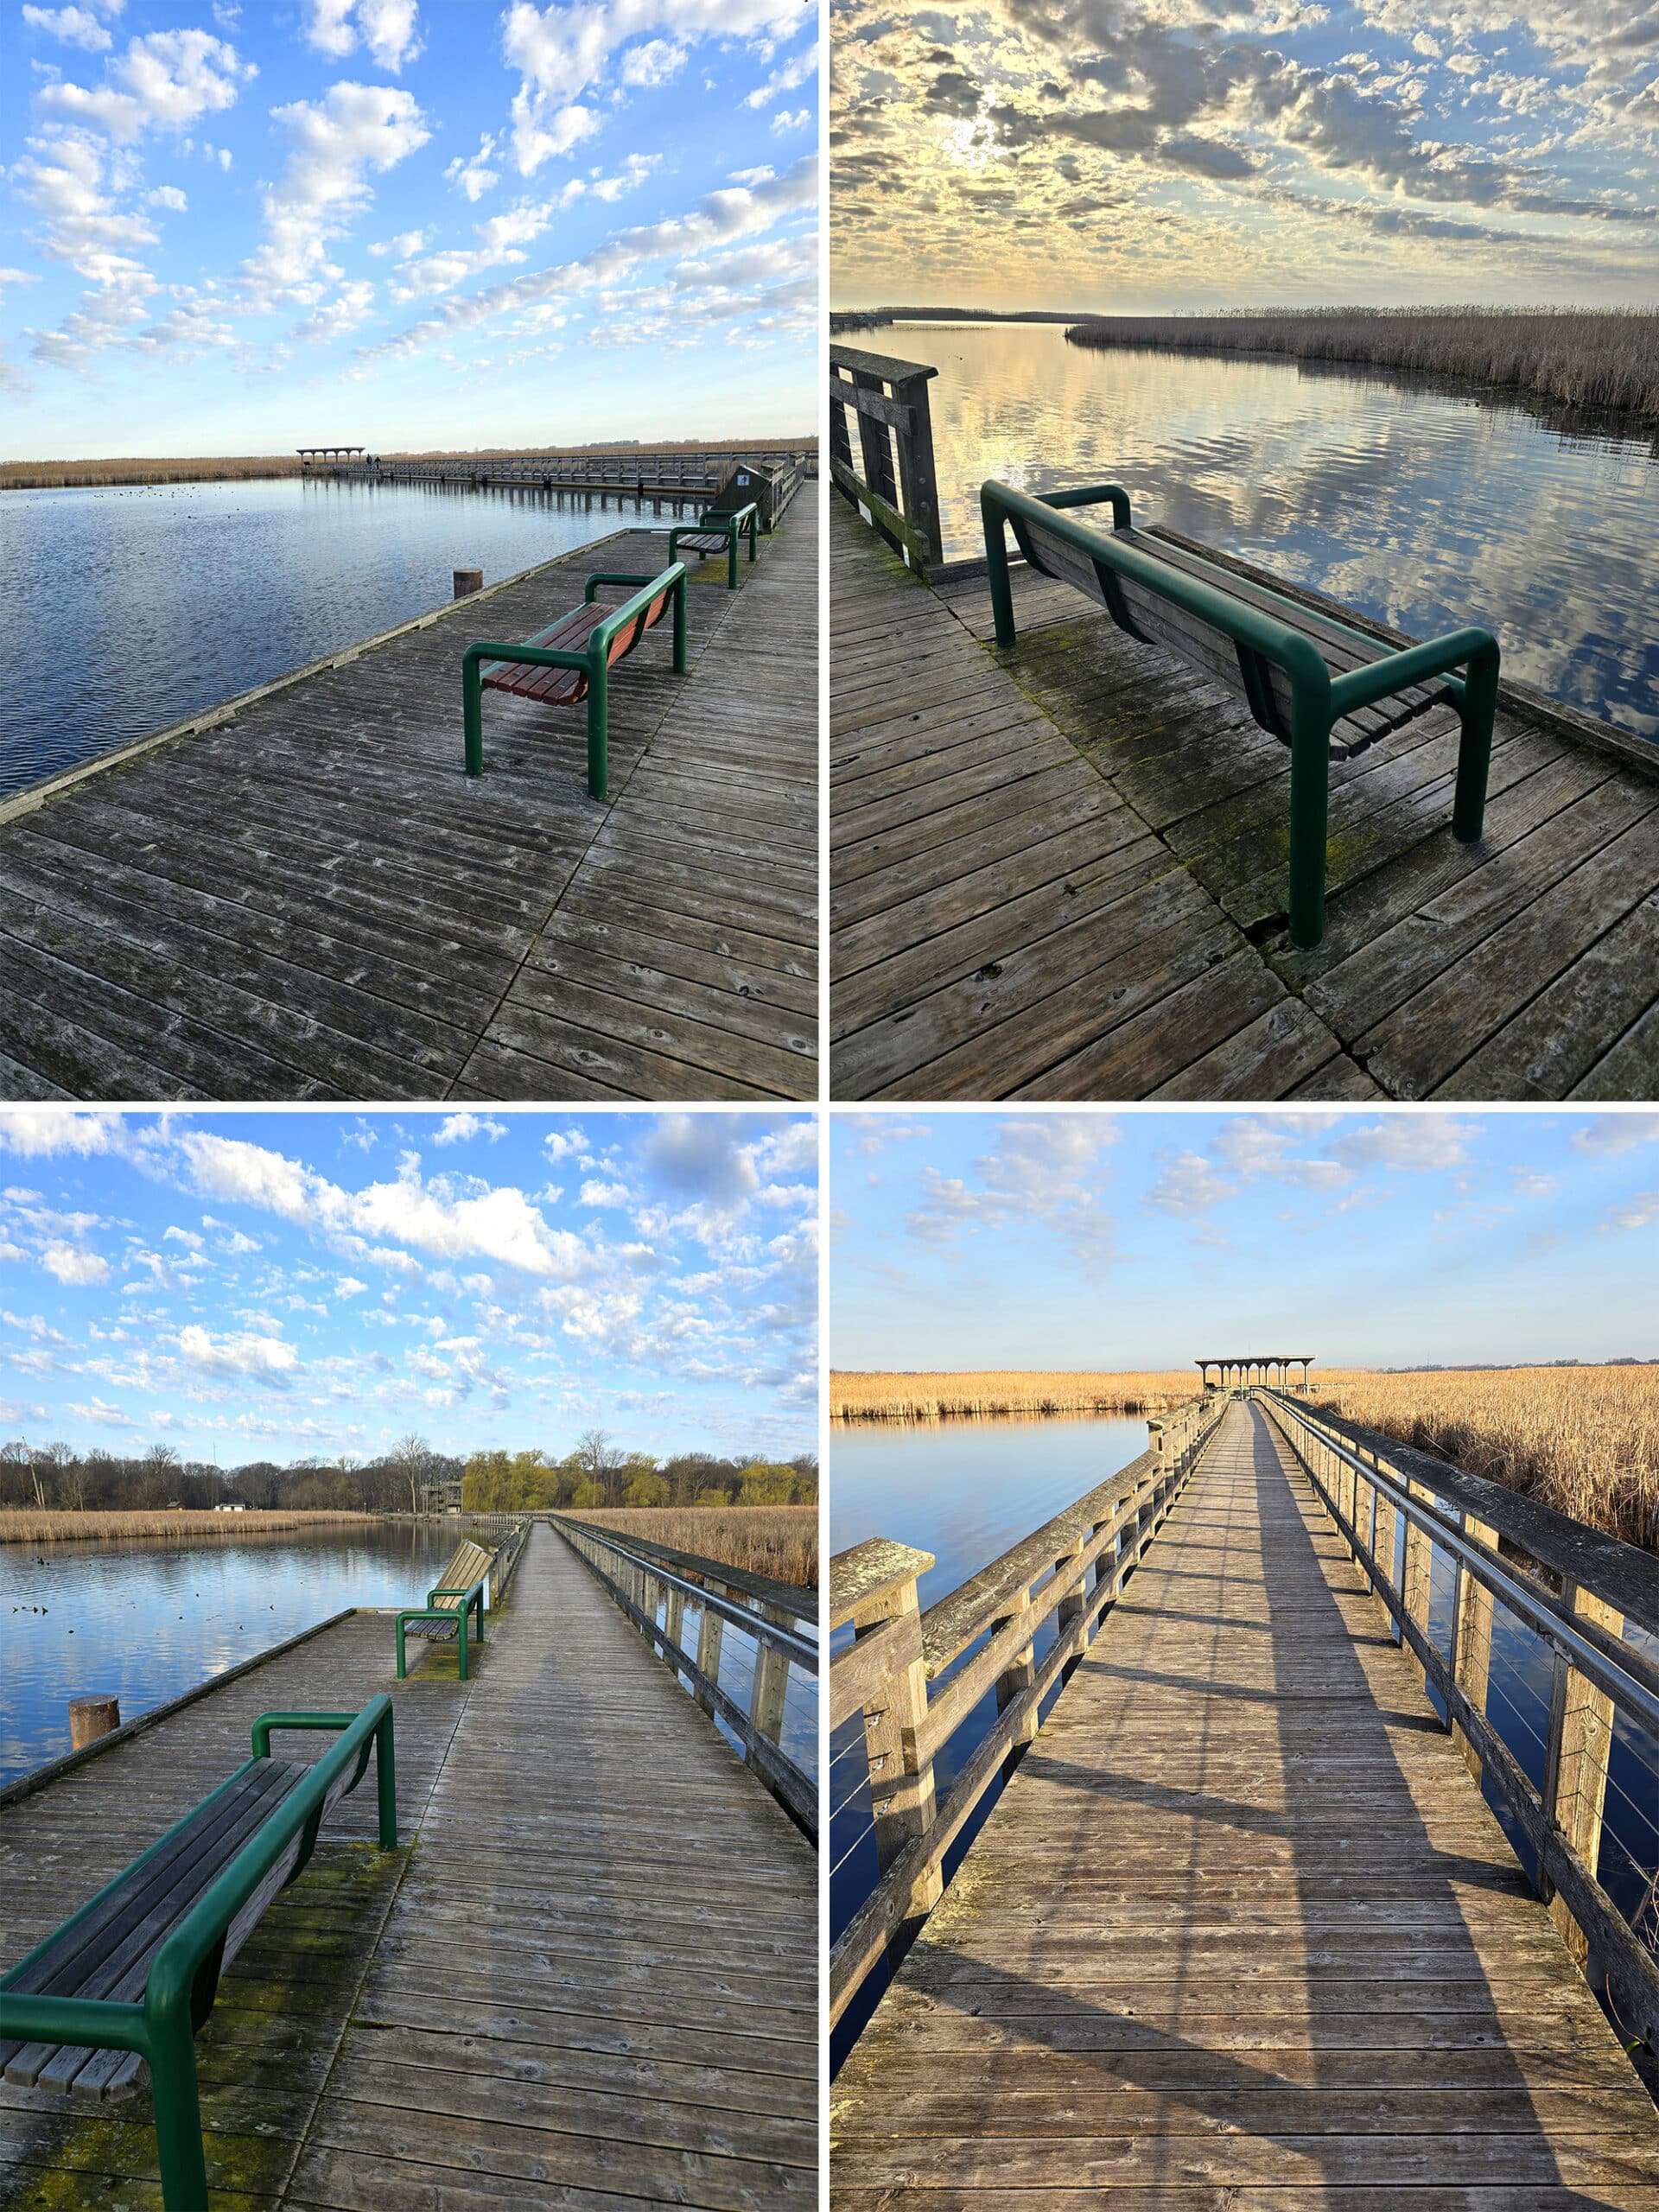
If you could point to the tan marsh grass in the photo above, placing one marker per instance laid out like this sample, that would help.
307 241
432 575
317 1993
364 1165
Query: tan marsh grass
781 1541
25 1525
856 1395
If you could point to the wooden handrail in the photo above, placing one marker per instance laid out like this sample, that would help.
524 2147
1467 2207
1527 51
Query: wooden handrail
642 1587
790 1598
1369 1484
1073 1567
893 483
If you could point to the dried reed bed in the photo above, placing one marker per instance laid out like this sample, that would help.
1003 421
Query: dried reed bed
995 1392
1584 1440
59 476
781 1541
1600 358
24 1525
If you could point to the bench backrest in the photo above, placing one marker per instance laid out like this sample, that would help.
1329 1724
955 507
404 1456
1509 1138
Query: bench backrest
631 633
1144 614
469 1564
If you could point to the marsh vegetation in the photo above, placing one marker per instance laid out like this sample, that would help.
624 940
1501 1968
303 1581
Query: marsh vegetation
1605 358
781 1541
994 1393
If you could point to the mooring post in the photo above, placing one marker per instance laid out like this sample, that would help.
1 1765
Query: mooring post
91 1718
467 581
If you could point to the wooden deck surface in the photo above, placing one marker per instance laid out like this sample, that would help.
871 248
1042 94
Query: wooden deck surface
590 1982
312 900
1059 872
1241 1934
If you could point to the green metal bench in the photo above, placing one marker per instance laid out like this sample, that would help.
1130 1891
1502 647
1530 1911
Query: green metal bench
717 529
130 1980
572 658
1321 688
461 1591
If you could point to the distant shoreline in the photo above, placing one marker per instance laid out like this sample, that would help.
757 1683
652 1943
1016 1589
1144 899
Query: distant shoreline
248 469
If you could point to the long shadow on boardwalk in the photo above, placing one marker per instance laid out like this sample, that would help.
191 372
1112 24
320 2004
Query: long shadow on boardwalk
1059 872
311 900
590 1981
1241 1933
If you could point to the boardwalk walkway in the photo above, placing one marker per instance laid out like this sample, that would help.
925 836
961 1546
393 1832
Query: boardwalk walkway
591 1982
311 900
1241 1933
1060 873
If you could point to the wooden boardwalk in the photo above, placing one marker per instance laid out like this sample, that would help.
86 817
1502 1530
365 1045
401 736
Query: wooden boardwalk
1060 873
312 901
590 1982
1241 1934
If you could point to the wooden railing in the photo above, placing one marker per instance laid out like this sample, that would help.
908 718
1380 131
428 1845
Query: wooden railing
653 1584
900 1670
689 475
1514 1562
891 481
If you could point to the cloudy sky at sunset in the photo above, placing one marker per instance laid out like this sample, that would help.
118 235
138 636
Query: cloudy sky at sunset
268 1285
1159 155
238 228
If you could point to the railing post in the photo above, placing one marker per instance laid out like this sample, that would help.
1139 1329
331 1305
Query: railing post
878 1584
1016 1679
875 444
1417 1566
917 482
1070 1611
1575 1775
674 1624
771 1681
1472 1638
710 1628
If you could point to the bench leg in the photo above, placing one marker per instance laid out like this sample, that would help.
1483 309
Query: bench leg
400 1651
385 1784
1478 711
1310 783
996 561
679 627
731 559
461 1633
177 2111
471 705
598 731
751 520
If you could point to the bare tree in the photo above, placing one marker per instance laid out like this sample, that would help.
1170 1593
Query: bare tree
602 1463
414 1459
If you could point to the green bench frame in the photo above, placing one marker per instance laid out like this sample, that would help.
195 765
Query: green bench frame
183 1978
472 1600
728 526
1318 699
592 661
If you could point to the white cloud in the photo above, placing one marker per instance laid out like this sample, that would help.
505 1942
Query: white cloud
163 81
266 1359
594 1193
406 244
1637 1212
460 1129
73 1263
388 27
1189 1184
1411 1141
75 26
334 145
474 175
188 1236
794 72
39 1132
498 1224
788 119
348 1286
167 196
653 63
1615 1132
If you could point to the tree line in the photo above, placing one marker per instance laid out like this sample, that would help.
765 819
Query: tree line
410 1476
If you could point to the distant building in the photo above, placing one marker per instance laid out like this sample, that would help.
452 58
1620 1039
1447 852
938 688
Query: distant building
235 1507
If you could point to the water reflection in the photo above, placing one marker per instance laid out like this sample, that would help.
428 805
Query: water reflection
130 606
1425 509
145 1621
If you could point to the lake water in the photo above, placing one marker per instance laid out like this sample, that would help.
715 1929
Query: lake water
145 1621
969 1490
129 607
1426 510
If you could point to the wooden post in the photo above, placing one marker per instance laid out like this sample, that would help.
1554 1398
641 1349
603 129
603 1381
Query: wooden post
1575 1777
467 581
1071 1610
1016 1679
771 1681
917 480
674 1625
91 1718
1418 1566
870 1585
1472 1638
709 1628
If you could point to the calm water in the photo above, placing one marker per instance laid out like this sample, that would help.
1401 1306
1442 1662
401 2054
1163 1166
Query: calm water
965 1491
129 608
1425 511
146 1621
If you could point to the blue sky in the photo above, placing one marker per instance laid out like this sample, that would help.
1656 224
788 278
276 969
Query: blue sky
405 223
1143 1240
271 1285
1153 156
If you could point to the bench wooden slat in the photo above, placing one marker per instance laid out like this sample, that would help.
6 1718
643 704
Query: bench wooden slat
705 541
110 1955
